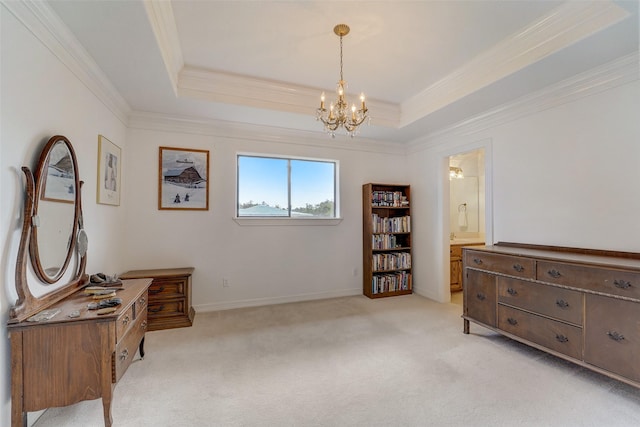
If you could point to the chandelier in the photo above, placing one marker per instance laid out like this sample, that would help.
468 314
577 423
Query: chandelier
338 114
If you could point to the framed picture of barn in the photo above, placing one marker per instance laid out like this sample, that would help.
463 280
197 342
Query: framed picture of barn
183 179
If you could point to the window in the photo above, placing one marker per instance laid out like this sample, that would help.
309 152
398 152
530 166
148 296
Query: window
286 187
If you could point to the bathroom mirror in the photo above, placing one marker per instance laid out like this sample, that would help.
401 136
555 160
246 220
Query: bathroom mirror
52 230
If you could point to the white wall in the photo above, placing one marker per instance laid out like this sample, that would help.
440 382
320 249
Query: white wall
567 175
264 264
42 98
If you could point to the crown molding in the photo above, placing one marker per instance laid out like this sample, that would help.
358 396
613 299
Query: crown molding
46 26
259 133
198 83
565 25
619 72
163 23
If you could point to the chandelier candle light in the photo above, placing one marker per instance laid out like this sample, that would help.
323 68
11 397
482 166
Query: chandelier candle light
338 114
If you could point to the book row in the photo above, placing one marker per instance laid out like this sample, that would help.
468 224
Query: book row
391 282
389 199
388 241
391 261
398 224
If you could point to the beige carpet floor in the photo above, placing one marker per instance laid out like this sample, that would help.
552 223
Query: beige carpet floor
351 361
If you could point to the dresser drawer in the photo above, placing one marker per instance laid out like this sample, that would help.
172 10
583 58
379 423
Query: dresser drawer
163 288
126 349
166 308
561 304
123 323
505 264
557 336
612 338
611 281
480 297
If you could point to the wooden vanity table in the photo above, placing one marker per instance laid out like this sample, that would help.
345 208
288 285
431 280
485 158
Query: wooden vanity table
73 353
65 360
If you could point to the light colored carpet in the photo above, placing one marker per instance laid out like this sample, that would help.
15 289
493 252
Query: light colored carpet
352 361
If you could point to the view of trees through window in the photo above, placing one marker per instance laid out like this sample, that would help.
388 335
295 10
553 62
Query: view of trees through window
283 187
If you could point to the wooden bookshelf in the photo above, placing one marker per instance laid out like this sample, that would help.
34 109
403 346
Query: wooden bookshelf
386 240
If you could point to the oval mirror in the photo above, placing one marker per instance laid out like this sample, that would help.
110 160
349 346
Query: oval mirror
55 218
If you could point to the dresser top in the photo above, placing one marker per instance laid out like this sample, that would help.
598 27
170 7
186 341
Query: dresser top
611 259
157 273
79 301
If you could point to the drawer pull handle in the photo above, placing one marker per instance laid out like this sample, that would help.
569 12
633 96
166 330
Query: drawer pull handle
512 292
477 261
561 338
518 268
622 284
126 320
142 301
156 291
481 296
554 273
512 321
615 336
124 354
562 303
156 310
143 325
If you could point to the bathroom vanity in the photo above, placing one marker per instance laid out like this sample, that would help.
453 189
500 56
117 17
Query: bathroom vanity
582 305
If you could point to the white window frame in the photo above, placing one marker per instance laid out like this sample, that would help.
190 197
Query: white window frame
288 220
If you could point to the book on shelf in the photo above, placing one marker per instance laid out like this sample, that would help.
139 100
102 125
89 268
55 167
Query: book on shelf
398 224
392 199
391 261
382 283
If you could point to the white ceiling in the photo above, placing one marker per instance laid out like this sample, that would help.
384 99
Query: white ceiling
424 65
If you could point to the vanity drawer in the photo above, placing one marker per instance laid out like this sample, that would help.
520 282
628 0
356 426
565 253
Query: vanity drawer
617 282
505 264
480 297
123 323
455 251
166 308
168 288
126 350
141 305
612 338
561 304
557 336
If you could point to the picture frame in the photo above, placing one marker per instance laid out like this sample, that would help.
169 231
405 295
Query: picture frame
109 172
183 179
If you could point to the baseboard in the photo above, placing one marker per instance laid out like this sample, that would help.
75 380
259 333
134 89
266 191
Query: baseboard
256 302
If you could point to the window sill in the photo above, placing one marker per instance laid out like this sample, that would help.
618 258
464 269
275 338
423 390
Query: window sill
287 221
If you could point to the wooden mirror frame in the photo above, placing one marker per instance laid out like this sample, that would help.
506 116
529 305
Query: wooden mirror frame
27 304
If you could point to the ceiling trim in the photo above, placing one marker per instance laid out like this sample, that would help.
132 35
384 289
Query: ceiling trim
163 23
560 28
40 19
260 133
199 83
621 71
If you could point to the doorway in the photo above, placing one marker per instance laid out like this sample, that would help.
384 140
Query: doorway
466 213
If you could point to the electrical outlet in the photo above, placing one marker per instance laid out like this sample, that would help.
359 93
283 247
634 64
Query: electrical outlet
225 282
355 272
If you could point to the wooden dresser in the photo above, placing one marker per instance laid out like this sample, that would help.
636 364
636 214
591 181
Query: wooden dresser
169 296
579 304
65 360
